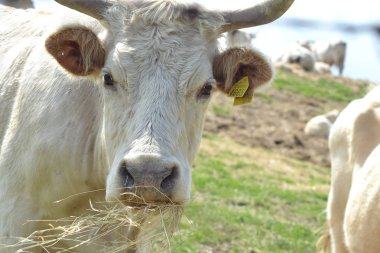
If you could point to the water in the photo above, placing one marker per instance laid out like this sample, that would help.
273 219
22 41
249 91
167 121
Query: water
363 51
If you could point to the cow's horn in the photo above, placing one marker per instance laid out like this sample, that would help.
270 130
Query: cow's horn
259 14
93 8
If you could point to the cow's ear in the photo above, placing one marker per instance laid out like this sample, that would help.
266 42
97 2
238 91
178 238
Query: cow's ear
78 50
236 63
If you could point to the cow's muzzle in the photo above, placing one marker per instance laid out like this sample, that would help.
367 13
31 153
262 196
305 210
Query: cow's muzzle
148 179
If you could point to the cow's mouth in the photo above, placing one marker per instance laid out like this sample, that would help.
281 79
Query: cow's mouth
156 200
149 205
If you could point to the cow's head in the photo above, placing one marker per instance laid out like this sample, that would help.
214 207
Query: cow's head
157 68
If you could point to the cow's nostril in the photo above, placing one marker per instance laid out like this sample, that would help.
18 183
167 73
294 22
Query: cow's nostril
126 177
168 182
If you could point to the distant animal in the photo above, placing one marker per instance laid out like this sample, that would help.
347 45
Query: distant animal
353 203
20 4
297 55
329 52
319 126
322 68
111 96
238 38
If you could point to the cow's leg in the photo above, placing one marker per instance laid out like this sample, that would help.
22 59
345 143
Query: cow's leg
341 66
19 211
18 220
341 175
340 187
335 213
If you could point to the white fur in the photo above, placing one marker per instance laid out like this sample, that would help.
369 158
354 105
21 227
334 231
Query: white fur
319 126
297 55
239 38
322 68
62 135
353 204
332 52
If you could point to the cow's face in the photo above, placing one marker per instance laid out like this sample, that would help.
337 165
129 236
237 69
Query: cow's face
157 75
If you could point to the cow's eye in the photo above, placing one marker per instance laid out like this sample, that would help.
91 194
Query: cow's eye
205 91
108 80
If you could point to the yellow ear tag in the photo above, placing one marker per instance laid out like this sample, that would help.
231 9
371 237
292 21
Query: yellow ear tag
243 101
240 88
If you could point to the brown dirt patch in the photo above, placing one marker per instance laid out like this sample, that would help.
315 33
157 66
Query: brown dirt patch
276 121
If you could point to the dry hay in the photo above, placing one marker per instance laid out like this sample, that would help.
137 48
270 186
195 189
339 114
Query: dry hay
108 227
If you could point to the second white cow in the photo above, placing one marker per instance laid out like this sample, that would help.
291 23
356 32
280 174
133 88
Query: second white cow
353 204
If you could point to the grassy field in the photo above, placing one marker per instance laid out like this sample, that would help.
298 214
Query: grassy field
320 88
252 200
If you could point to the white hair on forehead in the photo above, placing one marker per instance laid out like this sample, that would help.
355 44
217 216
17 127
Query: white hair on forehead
186 28
167 12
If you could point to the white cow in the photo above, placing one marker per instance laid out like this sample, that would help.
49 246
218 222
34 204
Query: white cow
297 55
319 126
21 4
353 205
329 52
110 98
239 38
322 68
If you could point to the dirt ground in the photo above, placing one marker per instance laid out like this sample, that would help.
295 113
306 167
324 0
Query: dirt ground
276 120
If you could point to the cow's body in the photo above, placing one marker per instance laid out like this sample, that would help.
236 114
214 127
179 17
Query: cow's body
59 157
297 55
322 68
319 126
353 204
21 4
239 38
332 53
108 109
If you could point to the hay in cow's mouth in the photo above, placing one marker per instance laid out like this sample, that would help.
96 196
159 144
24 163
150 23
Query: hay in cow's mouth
108 227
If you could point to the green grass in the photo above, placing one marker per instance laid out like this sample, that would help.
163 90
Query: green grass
241 203
247 200
321 88
265 97
224 110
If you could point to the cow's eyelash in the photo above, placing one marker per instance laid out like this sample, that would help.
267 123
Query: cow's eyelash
205 91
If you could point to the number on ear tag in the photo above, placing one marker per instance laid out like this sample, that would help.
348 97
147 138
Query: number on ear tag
240 88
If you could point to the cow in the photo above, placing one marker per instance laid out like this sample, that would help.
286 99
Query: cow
239 38
322 68
297 55
21 4
108 98
319 126
353 202
332 52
